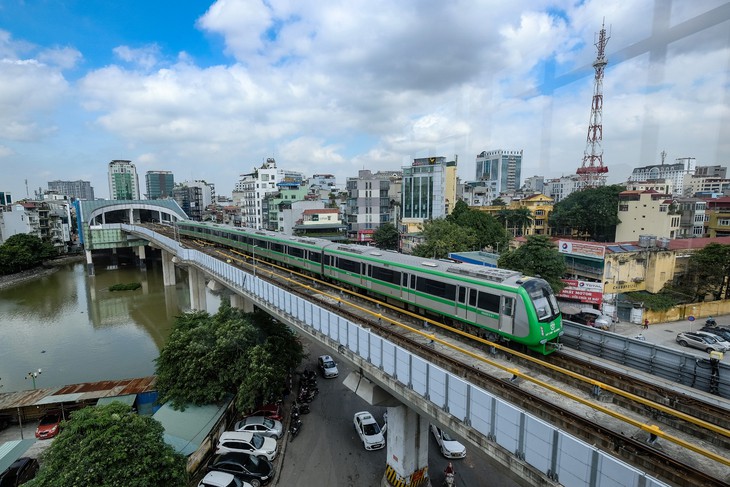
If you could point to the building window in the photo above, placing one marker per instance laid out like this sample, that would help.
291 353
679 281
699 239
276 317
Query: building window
623 207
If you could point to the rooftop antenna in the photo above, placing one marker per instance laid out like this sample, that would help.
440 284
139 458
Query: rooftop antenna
664 156
27 193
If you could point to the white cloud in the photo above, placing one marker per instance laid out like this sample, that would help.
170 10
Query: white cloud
145 57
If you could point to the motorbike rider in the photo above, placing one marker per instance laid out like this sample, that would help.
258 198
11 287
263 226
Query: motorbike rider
710 321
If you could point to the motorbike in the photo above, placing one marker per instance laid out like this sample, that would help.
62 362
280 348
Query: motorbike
449 476
295 425
302 408
710 321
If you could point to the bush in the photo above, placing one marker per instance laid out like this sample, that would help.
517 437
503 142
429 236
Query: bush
125 287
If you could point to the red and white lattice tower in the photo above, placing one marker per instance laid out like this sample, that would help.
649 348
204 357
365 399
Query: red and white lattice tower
592 171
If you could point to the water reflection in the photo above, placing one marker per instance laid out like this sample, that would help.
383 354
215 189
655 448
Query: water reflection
76 330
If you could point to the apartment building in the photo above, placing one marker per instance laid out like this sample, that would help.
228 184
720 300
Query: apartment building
123 180
76 190
646 213
428 191
372 200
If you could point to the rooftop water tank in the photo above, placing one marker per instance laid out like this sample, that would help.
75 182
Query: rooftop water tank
662 243
647 241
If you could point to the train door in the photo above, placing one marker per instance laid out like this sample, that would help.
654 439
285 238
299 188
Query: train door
471 305
406 293
460 304
507 314
367 272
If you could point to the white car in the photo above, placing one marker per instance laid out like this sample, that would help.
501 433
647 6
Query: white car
261 425
450 448
247 442
369 431
222 479
718 339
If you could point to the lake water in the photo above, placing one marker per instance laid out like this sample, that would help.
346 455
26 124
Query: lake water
75 330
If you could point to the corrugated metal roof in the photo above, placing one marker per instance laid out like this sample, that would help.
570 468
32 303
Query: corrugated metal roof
186 430
79 392
12 450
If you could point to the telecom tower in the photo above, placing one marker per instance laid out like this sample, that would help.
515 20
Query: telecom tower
592 171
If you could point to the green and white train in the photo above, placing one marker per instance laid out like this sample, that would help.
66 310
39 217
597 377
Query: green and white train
497 304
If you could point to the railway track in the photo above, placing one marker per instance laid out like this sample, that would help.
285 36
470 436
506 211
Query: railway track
602 406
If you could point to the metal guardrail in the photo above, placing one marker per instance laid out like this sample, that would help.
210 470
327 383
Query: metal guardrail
673 365
564 458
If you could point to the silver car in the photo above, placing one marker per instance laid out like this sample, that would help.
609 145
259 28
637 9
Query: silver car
261 425
694 340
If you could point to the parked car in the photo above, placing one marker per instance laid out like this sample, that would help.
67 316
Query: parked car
261 425
369 431
718 330
221 479
250 468
450 448
21 471
327 366
716 337
692 339
49 425
247 442
590 317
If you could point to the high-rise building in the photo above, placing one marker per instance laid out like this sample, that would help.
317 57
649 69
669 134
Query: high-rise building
123 181
77 190
370 202
428 191
675 173
500 169
252 187
5 198
194 197
159 184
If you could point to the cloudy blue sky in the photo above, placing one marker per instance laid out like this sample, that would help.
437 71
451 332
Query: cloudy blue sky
208 90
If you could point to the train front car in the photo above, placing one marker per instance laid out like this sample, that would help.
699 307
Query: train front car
543 315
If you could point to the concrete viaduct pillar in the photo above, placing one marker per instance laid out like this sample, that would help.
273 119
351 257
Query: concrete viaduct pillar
140 253
168 268
242 303
89 263
196 281
407 449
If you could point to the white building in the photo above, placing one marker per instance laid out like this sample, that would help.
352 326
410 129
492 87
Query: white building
252 187
560 188
48 220
500 169
674 173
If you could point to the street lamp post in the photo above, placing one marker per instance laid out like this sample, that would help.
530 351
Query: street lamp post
33 375
253 258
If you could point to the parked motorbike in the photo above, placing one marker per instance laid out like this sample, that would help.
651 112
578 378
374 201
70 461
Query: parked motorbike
295 425
302 408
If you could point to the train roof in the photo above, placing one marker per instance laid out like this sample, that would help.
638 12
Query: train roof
492 274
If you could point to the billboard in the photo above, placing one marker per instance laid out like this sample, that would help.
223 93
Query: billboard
583 291
581 248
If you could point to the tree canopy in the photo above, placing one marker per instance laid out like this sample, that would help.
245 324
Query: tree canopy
23 251
708 273
538 256
206 358
386 237
488 231
592 211
110 446
442 236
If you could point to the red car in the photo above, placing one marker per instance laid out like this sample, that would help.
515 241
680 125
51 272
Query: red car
49 425
272 411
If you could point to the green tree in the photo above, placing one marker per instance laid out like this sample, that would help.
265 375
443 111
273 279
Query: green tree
592 211
708 272
498 202
538 256
206 358
110 446
386 237
489 232
442 237
23 251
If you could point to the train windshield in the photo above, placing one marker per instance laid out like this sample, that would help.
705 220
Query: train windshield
546 306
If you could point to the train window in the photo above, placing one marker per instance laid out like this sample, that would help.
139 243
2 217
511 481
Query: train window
413 282
436 288
315 256
277 247
327 260
296 252
508 306
368 270
462 295
404 280
472 297
386 275
488 302
348 265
